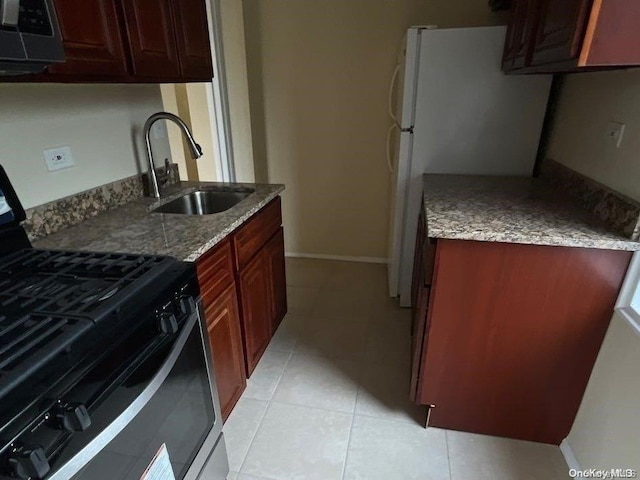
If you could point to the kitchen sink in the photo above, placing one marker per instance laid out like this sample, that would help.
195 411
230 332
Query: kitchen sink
203 202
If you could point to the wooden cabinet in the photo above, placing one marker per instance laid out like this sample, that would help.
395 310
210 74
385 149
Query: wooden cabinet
192 34
243 289
506 335
129 41
259 260
559 32
219 298
256 309
152 38
572 35
274 253
223 327
93 41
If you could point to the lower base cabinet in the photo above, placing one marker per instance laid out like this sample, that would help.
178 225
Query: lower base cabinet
506 335
243 289
223 330
254 285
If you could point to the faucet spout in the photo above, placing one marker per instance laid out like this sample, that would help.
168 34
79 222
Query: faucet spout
196 151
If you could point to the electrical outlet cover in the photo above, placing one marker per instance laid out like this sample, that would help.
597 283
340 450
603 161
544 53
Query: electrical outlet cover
58 158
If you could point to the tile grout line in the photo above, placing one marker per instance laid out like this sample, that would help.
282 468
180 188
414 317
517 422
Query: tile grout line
446 442
353 419
264 415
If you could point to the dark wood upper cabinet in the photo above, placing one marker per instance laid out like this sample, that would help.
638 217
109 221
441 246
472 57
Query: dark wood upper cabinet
152 38
92 39
559 33
129 41
192 35
516 50
548 36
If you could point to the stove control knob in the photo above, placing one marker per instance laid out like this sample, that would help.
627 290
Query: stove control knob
187 305
167 323
29 462
72 417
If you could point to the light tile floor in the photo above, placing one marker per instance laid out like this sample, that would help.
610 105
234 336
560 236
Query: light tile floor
329 398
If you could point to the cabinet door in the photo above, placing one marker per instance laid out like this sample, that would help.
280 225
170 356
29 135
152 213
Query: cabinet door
192 33
92 39
520 34
255 298
274 251
223 326
152 39
560 31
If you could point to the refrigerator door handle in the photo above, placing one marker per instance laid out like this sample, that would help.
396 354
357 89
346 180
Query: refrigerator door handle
389 132
392 86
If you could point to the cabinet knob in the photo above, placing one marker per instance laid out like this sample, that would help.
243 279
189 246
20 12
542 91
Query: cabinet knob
30 462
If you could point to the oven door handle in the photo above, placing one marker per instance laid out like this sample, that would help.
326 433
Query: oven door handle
84 456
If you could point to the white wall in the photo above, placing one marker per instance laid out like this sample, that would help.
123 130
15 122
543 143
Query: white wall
318 80
101 123
606 432
588 102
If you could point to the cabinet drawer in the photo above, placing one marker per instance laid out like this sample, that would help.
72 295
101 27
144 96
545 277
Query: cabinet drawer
215 272
256 232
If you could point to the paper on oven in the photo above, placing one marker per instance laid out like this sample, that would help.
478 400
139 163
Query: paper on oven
6 214
160 467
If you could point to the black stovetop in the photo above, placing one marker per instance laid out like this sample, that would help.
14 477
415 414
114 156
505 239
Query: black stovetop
50 299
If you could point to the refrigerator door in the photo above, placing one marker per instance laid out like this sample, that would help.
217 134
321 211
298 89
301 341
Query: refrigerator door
402 109
470 118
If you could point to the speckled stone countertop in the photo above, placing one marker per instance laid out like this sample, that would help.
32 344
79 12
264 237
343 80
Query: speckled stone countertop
513 210
132 228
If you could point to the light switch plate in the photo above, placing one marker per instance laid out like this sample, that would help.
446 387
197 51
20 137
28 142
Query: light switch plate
615 133
58 158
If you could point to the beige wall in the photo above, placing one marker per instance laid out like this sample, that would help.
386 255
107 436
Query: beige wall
588 102
318 77
191 102
101 123
606 432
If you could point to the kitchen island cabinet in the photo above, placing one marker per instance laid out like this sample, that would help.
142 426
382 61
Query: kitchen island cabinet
506 332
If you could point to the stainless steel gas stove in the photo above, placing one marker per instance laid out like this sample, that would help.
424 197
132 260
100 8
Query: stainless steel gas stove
104 369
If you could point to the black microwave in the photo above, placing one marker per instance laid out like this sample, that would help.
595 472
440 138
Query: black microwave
29 36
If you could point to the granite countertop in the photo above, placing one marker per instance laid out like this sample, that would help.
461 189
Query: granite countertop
133 229
513 210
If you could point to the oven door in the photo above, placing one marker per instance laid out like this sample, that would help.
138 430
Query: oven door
175 406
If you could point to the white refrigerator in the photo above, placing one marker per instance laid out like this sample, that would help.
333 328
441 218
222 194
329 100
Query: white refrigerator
456 112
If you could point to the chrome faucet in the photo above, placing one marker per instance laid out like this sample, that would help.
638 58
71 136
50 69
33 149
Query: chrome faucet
196 151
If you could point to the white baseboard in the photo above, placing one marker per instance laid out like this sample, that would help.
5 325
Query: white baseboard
337 257
569 457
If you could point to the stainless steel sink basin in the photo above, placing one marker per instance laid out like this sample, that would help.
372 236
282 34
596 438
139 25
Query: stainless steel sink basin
203 202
